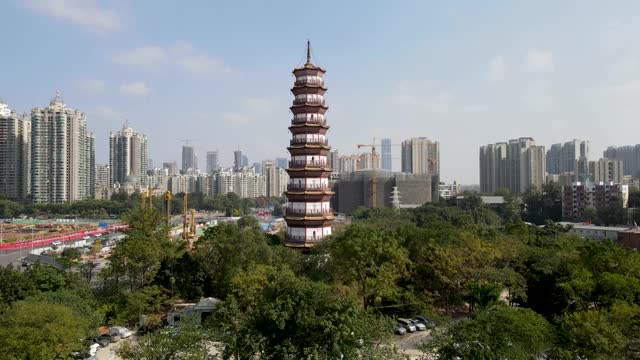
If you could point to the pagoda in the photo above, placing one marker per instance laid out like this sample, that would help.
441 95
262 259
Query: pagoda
308 213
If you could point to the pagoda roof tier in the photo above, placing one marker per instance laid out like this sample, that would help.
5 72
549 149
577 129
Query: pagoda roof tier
308 89
309 146
310 172
309 151
291 219
309 108
309 69
300 195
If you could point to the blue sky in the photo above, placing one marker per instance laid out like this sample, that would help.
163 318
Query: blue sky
465 73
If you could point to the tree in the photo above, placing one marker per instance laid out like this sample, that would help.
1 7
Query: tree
291 317
540 206
187 341
499 332
39 330
225 250
371 258
588 335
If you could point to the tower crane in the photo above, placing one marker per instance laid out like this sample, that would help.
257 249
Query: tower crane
185 233
167 208
374 181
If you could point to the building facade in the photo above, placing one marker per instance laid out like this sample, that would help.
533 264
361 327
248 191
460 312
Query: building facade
354 190
580 199
128 155
385 154
630 156
15 148
60 154
212 161
421 156
276 180
308 213
606 170
517 165
189 159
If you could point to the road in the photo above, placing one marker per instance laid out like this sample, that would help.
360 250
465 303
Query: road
12 255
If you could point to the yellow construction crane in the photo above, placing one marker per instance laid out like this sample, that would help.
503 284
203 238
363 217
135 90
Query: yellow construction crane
193 223
143 197
185 233
374 180
167 208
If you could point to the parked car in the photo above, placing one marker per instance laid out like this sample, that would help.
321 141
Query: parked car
430 324
97 235
86 238
56 243
123 332
399 330
407 324
419 326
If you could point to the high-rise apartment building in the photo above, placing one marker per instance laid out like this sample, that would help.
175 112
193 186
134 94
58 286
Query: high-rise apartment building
171 167
365 161
554 156
212 161
630 156
385 152
237 160
282 162
60 154
516 165
15 142
128 155
569 157
606 170
245 161
257 166
276 179
493 167
103 185
421 156
189 159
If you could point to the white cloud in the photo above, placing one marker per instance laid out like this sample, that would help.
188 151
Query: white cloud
497 69
180 55
136 88
92 85
235 118
201 64
539 61
144 57
85 13
259 105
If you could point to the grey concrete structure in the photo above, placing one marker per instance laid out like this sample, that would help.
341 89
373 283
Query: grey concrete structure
212 161
385 152
189 159
354 190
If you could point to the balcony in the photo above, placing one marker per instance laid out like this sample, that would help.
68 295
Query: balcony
309 212
308 187
305 101
307 141
312 120
303 238
307 163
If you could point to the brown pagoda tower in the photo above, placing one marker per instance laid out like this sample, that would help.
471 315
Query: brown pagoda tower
308 213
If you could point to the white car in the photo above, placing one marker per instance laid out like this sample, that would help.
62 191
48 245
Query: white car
123 332
56 243
86 238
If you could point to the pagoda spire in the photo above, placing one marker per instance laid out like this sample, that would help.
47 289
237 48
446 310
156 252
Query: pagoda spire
308 52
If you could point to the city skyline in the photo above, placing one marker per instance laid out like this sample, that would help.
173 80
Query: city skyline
465 74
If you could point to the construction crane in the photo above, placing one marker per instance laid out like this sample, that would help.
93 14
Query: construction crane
167 208
374 180
150 196
185 234
143 197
